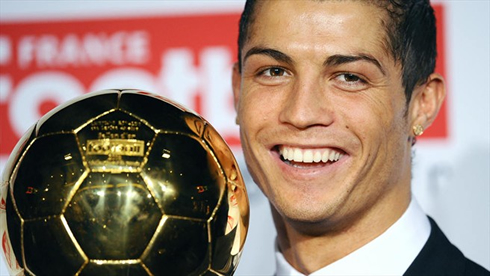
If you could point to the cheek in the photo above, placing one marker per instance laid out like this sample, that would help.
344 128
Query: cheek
374 120
256 108
252 121
253 152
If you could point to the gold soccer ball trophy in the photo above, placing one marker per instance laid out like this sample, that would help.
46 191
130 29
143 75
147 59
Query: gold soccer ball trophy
122 182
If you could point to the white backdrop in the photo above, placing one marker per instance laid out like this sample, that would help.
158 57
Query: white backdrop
451 175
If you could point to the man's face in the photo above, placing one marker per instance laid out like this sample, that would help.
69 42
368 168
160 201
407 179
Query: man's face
322 112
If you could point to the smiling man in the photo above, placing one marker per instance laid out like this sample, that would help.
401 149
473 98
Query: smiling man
330 96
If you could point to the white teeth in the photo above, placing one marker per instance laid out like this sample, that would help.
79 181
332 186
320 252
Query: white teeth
325 156
290 155
298 155
318 157
309 155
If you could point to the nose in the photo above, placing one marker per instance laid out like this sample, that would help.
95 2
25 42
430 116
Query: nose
307 104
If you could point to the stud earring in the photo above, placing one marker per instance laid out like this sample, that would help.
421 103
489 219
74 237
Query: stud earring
418 130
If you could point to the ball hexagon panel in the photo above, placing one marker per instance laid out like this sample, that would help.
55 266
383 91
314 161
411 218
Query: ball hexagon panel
180 248
49 249
47 175
14 227
113 269
62 117
160 114
115 141
184 176
116 210
8 169
236 197
222 241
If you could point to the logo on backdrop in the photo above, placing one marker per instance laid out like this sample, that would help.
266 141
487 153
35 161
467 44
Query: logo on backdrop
185 58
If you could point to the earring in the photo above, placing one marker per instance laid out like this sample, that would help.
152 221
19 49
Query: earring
237 122
418 130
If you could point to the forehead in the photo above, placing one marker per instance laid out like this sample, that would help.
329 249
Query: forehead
348 24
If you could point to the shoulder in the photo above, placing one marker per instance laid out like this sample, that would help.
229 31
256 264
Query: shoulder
440 257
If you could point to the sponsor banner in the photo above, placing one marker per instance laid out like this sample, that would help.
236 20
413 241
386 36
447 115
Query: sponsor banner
439 129
185 58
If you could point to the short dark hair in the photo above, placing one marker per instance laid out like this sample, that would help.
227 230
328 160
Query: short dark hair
410 33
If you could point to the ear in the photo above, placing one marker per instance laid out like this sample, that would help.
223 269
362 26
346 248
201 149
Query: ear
236 82
426 101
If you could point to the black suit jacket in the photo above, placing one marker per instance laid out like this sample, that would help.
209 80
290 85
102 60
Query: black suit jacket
440 257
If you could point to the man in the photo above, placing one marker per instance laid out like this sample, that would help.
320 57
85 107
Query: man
330 97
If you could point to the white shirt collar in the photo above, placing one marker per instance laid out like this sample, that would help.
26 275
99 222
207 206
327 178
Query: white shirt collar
391 253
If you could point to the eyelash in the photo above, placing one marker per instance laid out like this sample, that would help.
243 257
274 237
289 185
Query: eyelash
269 69
351 75
359 83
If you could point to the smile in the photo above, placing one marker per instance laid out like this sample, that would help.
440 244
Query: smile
299 155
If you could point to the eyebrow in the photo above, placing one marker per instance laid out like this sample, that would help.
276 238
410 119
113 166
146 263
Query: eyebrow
334 60
343 59
277 55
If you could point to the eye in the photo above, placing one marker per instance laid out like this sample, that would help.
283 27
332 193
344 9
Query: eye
272 76
350 78
274 72
350 82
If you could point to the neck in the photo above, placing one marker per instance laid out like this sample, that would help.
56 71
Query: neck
308 249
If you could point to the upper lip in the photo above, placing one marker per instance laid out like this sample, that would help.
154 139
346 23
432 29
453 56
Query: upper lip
310 146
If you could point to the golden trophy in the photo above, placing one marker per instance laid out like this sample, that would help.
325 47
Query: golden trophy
122 182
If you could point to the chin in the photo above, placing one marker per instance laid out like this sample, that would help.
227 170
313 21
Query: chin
310 214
